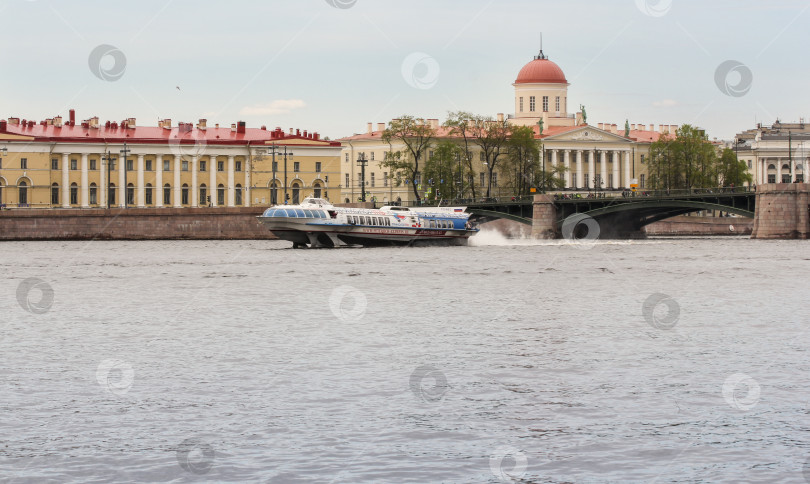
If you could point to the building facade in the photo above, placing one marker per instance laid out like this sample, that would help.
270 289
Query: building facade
56 164
779 153
600 157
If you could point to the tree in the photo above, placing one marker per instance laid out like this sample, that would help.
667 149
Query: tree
441 172
416 135
460 124
490 136
522 164
732 171
685 160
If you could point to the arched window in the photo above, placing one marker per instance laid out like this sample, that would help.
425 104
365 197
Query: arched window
54 194
74 193
93 194
316 190
22 200
221 194
296 193
167 194
238 195
111 194
130 194
184 194
347 200
1 192
148 194
204 195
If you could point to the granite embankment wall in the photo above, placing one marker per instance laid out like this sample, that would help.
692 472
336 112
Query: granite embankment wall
133 224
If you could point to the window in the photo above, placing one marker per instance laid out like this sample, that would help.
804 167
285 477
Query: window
557 104
130 164
275 166
418 179
203 195
238 166
238 195
74 164
221 194
771 178
93 164
148 165
641 180
130 194
24 164
167 165
372 179
531 104
74 193
93 194
148 194
55 194
112 165
481 156
1 163
202 165
54 164
494 179
347 157
347 181
749 164
23 194
111 194
372 156
643 159
385 179
296 166
317 167
184 165
316 191
167 194
273 194
184 194
482 180
220 166
296 194
521 104
545 104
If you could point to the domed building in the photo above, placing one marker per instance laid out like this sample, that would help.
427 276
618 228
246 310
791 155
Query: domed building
541 93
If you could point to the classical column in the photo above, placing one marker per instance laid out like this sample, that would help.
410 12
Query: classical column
616 162
141 188
246 194
230 181
158 193
85 183
65 180
194 190
591 168
627 178
603 170
553 159
779 170
122 189
579 169
176 188
102 181
567 165
212 185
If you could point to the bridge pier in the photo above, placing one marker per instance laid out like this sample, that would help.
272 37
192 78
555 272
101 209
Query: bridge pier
782 211
544 218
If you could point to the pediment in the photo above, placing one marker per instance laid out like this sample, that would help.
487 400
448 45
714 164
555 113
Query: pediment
588 134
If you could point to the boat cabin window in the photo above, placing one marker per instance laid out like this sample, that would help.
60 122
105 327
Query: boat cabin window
308 213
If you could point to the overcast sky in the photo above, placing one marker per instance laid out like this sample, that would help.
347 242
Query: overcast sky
333 65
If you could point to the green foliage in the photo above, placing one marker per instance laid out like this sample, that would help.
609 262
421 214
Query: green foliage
522 166
732 171
441 172
416 135
460 124
689 160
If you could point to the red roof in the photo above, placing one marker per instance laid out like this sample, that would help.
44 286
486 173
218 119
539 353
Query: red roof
541 70
157 135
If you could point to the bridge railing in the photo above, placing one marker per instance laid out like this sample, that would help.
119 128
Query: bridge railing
574 194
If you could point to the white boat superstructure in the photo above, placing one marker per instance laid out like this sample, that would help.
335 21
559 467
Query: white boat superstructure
318 223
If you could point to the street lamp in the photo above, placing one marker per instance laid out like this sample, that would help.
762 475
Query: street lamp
276 150
109 159
125 188
362 161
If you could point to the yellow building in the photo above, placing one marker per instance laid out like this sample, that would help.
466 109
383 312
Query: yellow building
601 157
52 163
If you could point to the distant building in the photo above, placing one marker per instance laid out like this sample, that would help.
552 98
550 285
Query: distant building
52 163
769 150
596 157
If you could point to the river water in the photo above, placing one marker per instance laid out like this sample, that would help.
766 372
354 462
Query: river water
668 360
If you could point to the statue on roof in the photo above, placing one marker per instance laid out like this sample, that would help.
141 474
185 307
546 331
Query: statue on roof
540 124
584 114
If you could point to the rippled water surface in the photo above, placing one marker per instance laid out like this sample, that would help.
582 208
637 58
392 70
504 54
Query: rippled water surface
669 360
